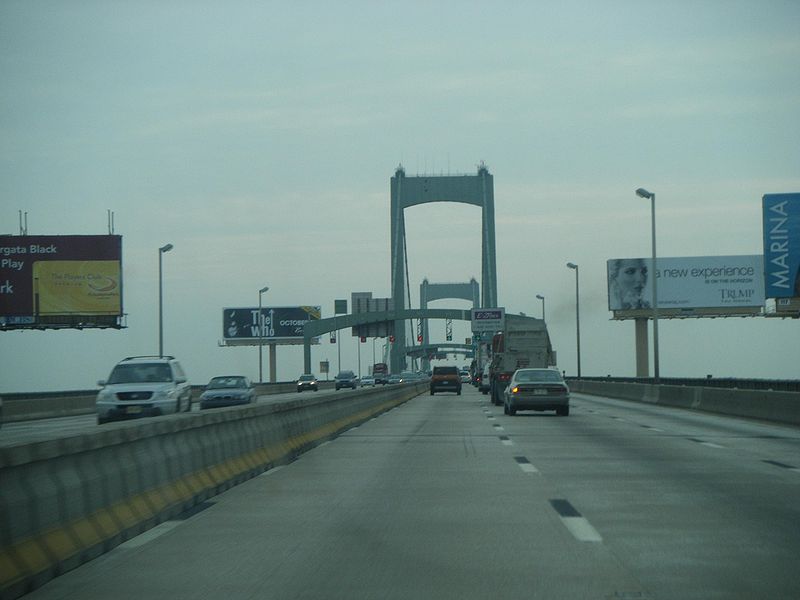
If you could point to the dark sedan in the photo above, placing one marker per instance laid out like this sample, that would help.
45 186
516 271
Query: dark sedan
227 390
307 381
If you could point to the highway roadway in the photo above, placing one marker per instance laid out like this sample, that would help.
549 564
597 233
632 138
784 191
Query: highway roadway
445 497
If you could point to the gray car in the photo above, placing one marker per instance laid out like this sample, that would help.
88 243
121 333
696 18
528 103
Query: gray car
346 379
536 389
227 390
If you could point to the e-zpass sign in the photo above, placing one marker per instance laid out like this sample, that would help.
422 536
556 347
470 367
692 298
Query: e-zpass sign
488 320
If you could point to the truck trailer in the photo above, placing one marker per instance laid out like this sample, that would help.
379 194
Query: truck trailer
524 342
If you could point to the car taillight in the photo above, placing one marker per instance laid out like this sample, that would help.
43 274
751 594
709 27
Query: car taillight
505 376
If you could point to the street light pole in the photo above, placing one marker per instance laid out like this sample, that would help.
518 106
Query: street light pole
577 314
161 251
260 335
643 193
540 297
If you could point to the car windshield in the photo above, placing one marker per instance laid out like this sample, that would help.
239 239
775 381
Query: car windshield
536 375
345 375
306 378
219 383
141 373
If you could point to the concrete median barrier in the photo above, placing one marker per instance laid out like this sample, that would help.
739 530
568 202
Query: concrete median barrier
779 407
68 500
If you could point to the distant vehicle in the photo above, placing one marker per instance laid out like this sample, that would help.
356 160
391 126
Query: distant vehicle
346 379
536 389
227 390
485 384
307 381
465 376
524 343
380 371
394 379
445 379
143 386
368 380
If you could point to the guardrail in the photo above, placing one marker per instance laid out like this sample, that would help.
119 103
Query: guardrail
766 405
68 500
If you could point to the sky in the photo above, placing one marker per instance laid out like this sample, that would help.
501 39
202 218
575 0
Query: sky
259 138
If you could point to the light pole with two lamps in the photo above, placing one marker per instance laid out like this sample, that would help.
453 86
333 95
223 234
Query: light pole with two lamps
260 335
161 251
643 193
577 314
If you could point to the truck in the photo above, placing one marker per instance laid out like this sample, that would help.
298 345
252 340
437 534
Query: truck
380 371
523 342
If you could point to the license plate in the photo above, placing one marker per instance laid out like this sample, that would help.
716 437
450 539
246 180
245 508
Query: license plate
540 392
133 410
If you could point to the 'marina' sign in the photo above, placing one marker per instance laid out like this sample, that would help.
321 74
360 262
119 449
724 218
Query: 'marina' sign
781 245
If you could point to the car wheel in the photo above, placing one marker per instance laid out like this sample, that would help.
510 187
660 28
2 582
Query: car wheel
563 412
178 405
432 392
101 420
189 405
505 408
458 393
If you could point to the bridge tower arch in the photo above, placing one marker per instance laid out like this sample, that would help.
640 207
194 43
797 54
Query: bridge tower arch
429 292
477 190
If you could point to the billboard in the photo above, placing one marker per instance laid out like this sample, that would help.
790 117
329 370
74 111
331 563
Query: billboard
694 282
279 324
781 221
60 280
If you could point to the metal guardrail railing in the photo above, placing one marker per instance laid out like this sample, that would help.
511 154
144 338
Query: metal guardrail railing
776 385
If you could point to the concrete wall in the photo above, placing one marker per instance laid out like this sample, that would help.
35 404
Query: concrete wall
780 407
68 500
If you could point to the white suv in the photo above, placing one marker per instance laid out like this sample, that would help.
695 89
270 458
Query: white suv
143 386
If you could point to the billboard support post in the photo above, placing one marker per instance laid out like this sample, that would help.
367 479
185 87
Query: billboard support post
642 356
161 251
272 364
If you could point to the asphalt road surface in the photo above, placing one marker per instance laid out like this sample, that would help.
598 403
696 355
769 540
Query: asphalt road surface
445 497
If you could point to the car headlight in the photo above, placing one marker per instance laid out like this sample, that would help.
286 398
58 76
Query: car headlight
105 395
165 394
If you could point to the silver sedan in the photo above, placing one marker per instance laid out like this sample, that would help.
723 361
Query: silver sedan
536 389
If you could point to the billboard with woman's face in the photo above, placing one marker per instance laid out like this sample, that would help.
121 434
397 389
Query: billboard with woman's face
687 282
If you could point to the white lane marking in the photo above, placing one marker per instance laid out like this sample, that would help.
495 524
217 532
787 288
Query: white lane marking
711 445
508 443
273 470
581 529
528 467
491 418
151 534
499 427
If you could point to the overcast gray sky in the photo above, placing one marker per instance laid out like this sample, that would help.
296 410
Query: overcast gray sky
259 138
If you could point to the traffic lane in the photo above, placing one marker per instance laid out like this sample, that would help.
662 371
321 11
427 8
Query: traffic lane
690 520
421 502
764 441
40 430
